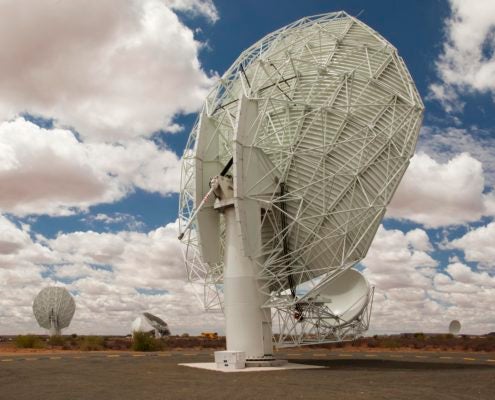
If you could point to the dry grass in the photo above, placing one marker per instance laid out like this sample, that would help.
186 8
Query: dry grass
412 341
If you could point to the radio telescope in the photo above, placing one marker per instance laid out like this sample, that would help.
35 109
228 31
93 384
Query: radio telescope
54 308
285 179
454 327
149 322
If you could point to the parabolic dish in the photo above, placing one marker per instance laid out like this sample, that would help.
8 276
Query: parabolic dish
157 323
307 136
54 304
148 322
345 296
454 327
330 120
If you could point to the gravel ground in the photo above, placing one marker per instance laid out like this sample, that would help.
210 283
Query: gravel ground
130 376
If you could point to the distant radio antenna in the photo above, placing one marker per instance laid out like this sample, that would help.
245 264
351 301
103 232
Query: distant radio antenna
319 120
454 327
54 308
147 322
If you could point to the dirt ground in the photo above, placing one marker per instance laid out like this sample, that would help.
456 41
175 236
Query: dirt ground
157 376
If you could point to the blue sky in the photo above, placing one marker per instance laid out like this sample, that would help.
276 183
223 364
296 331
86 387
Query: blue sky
90 143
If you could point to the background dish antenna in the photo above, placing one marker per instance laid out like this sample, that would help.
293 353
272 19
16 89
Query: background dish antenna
454 327
319 120
148 322
54 308
160 326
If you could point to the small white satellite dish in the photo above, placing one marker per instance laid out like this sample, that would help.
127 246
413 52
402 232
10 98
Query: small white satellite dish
54 308
286 176
345 297
160 326
454 327
140 325
148 322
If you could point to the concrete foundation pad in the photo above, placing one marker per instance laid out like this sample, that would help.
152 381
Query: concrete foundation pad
288 366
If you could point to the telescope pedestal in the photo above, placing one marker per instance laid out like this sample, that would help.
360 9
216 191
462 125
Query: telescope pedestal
248 326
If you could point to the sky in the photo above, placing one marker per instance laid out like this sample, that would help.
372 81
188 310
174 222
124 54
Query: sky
96 104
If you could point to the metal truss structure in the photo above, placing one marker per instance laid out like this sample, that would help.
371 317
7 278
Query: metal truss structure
317 323
334 117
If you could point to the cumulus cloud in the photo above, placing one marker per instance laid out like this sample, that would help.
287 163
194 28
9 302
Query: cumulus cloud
478 246
114 220
397 260
437 194
105 272
400 267
49 171
467 296
444 144
411 287
467 62
115 276
195 7
18 250
112 70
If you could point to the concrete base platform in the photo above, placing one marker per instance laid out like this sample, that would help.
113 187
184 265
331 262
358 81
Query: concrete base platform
287 366
265 363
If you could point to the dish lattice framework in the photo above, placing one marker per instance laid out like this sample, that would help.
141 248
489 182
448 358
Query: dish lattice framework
54 308
339 116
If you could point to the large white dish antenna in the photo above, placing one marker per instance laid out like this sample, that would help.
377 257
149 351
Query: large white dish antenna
54 308
319 120
454 327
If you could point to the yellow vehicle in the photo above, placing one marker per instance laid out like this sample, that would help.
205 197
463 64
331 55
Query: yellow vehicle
209 335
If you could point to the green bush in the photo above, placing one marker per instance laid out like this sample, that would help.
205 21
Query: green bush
28 342
56 340
142 341
91 343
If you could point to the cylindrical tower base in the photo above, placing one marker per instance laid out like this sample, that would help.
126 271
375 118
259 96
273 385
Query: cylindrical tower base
55 331
248 326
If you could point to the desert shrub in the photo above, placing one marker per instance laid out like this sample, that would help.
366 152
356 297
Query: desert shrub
419 345
28 342
115 343
142 341
391 343
56 340
91 343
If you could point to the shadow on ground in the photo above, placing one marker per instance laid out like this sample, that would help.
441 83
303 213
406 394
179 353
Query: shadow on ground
353 364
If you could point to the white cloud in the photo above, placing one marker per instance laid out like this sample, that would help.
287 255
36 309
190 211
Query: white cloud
443 144
131 222
51 172
437 194
397 260
103 271
467 62
400 268
410 288
18 250
201 7
111 69
468 297
478 246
